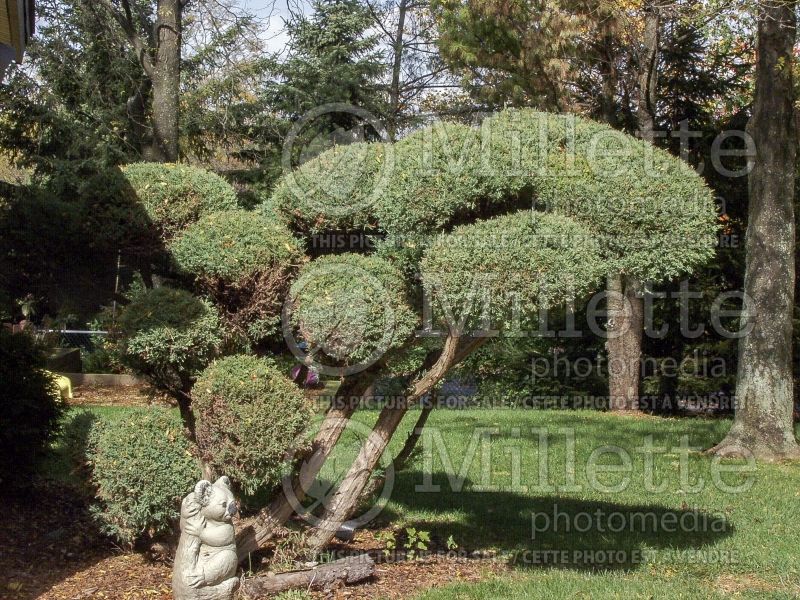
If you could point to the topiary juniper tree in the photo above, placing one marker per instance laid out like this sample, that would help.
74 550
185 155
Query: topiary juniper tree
450 204
480 228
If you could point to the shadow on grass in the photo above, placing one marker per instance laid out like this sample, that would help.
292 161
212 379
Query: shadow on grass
555 531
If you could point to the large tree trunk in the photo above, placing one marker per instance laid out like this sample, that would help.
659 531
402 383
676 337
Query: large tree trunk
764 386
256 532
346 497
159 53
166 78
626 327
624 344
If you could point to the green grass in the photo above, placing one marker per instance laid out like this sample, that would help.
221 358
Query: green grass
744 542
751 551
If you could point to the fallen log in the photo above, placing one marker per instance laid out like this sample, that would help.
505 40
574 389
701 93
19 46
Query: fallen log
325 576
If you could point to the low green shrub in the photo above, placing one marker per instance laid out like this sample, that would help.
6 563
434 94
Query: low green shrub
141 465
249 414
30 408
169 336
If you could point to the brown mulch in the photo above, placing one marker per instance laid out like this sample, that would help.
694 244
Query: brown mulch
120 395
50 550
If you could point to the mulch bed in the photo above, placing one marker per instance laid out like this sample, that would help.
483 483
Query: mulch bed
121 395
51 551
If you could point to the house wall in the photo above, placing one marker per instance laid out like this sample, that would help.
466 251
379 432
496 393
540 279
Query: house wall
5 22
16 28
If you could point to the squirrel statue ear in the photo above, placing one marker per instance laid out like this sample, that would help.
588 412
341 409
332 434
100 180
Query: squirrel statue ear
224 480
202 491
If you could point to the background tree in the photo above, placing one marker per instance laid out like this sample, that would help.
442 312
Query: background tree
764 389
154 35
226 122
333 57
79 97
407 29
603 60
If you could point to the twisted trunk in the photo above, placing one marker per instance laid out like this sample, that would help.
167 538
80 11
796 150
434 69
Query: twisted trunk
346 497
255 533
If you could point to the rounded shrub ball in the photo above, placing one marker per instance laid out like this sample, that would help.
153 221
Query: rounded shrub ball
335 190
653 215
141 465
248 416
352 309
233 245
489 272
242 260
169 335
439 180
174 196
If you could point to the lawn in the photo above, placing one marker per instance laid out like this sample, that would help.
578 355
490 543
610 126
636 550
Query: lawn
605 543
672 526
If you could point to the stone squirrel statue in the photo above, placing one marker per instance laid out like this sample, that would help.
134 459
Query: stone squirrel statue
206 561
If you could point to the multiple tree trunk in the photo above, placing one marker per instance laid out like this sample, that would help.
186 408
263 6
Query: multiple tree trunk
257 532
764 386
350 490
254 534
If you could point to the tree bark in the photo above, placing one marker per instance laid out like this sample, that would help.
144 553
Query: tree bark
255 533
397 63
159 54
624 344
325 576
626 331
166 79
764 387
351 488
648 71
